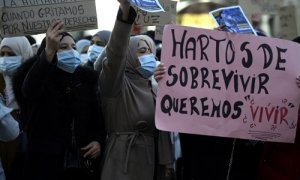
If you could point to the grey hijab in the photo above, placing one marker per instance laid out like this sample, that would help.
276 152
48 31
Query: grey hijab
104 36
132 59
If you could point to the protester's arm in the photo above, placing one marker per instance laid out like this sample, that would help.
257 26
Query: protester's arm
113 70
9 127
53 37
35 80
99 61
97 128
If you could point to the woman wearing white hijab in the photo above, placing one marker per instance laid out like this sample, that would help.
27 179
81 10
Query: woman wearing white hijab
13 52
82 47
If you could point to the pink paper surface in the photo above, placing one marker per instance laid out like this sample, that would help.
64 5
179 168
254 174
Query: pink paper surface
212 88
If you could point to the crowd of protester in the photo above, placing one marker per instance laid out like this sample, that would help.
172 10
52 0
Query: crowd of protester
84 109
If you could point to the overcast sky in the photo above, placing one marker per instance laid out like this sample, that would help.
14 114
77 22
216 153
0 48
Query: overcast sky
106 12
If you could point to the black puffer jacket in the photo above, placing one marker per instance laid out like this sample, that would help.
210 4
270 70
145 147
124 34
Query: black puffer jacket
51 99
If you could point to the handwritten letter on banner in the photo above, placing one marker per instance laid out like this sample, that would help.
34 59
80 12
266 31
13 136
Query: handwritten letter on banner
145 18
28 17
228 85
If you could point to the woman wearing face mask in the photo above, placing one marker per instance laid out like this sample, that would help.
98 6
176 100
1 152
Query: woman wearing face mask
82 47
14 51
62 109
99 41
135 148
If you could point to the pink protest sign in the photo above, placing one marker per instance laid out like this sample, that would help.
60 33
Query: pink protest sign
228 85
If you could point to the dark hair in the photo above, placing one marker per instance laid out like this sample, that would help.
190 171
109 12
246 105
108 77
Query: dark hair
151 34
43 44
64 34
297 39
42 47
31 39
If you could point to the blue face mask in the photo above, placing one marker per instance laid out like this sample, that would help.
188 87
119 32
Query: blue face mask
148 65
9 64
93 52
68 60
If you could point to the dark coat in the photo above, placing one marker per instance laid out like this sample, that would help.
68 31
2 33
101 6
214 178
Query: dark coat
281 161
215 158
52 98
89 64
205 157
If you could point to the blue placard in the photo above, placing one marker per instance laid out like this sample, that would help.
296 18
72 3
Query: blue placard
147 5
233 19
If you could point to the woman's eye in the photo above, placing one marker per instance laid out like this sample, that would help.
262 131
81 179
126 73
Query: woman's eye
10 54
99 43
142 50
63 47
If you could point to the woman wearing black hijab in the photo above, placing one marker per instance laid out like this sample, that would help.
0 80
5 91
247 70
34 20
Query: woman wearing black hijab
58 98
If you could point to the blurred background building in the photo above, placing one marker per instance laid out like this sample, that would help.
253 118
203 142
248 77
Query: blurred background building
276 18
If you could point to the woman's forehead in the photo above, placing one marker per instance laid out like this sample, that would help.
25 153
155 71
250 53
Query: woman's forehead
96 38
6 49
142 43
67 40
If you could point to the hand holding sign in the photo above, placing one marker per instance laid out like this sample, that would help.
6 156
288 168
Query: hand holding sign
125 6
159 72
298 81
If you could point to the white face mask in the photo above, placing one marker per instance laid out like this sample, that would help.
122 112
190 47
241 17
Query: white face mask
94 51
84 58
9 64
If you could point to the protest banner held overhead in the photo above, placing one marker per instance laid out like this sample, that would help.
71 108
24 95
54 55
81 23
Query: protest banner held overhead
228 84
28 17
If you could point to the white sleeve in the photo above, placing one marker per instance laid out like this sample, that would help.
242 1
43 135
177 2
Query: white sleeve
9 127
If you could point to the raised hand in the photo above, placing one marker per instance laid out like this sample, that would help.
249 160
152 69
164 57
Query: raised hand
125 6
220 28
124 2
53 37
